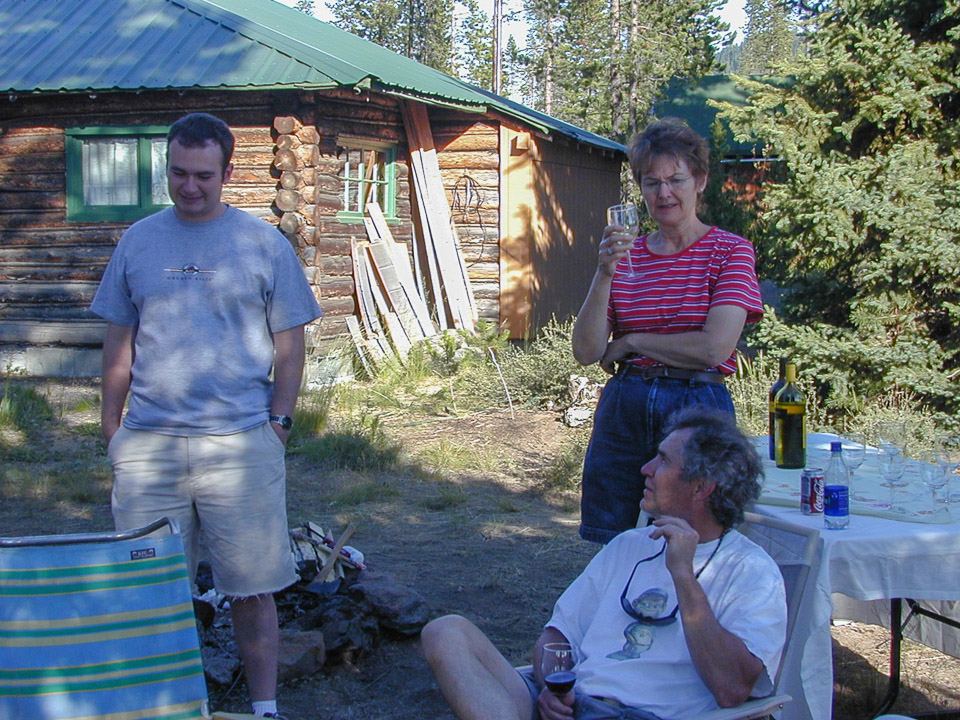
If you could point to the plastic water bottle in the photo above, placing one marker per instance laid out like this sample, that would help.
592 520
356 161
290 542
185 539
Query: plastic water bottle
836 491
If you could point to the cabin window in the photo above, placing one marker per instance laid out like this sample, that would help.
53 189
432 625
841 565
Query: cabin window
116 173
369 175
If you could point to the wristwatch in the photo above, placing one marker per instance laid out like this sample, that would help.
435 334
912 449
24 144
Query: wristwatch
284 421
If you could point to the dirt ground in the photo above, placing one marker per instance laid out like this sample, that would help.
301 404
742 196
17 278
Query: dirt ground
492 545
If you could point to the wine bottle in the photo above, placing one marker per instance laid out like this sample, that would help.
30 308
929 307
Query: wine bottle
774 389
790 432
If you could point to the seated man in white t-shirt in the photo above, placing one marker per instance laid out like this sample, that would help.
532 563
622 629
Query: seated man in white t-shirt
667 621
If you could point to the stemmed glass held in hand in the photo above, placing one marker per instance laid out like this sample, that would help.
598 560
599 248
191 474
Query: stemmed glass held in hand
556 666
627 217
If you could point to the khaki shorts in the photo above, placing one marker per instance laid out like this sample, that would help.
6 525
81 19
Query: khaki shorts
230 488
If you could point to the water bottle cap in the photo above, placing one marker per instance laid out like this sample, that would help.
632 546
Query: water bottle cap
836 446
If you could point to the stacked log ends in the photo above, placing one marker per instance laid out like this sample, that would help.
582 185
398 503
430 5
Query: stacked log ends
286 161
288 200
296 156
287 124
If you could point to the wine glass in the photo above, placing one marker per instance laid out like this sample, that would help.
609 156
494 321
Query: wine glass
556 666
946 452
854 452
934 473
891 435
627 217
892 465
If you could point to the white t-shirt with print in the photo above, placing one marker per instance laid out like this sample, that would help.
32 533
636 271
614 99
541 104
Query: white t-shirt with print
649 666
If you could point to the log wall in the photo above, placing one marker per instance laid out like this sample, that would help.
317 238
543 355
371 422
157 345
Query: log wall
469 159
287 164
286 171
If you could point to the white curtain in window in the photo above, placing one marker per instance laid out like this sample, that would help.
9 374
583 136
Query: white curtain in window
158 172
110 171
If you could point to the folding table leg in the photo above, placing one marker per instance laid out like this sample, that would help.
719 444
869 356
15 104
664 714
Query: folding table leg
897 625
896 639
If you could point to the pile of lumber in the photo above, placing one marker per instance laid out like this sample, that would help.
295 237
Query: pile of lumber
393 311
447 271
392 295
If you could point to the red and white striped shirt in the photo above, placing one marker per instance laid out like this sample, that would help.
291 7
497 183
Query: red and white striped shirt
673 293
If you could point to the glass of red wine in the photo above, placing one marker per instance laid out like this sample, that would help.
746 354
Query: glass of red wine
556 664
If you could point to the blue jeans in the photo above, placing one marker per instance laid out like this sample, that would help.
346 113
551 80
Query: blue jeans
585 707
627 428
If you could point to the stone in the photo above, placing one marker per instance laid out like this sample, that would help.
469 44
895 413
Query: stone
577 416
348 626
302 654
397 607
219 666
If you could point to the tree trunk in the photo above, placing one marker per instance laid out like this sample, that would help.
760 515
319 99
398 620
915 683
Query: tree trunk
617 57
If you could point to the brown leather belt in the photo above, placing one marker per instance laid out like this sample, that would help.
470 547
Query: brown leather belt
660 371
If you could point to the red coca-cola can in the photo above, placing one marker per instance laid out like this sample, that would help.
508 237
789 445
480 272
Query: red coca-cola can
811 491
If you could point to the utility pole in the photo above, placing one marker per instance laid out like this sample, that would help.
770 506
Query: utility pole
497 45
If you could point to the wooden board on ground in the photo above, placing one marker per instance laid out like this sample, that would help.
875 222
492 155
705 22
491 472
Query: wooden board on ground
364 349
401 264
379 345
383 264
437 225
398 336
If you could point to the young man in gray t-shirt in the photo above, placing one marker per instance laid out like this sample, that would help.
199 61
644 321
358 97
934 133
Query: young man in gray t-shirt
206 307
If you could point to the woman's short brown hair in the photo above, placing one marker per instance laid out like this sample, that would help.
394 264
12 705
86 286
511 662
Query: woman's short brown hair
669 137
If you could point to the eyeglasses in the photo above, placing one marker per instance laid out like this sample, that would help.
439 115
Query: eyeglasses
653 186
665 619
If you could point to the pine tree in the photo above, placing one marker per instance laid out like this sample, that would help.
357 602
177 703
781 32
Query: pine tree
378 21
768 38
866 224
475 46
601 63
418 29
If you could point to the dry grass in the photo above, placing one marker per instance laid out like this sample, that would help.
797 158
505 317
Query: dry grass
492 539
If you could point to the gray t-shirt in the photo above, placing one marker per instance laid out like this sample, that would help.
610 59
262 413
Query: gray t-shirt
206 298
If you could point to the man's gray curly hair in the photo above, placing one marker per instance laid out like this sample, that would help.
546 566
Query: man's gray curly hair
718 451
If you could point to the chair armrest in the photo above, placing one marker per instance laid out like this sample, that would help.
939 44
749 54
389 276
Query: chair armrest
754 708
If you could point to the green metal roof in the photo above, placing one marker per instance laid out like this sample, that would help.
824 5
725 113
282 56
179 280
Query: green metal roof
97 45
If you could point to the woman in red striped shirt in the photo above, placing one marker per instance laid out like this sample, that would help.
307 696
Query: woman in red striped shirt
666 332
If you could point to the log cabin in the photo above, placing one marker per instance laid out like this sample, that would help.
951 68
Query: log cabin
90 88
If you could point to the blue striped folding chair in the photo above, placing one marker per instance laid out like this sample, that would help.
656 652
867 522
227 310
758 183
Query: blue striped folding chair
99 626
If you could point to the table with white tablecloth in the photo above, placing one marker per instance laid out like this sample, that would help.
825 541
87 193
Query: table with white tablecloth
875 558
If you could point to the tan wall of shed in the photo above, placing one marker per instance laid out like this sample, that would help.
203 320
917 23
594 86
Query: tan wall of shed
555 198
467 152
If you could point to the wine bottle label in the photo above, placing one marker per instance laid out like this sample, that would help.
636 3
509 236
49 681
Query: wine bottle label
790 409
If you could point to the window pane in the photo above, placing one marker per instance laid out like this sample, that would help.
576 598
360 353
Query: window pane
365 179
110 171
158 172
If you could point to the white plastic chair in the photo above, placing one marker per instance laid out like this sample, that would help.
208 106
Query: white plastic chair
796 550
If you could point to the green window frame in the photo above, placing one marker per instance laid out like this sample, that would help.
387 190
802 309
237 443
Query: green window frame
142 149
369 173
